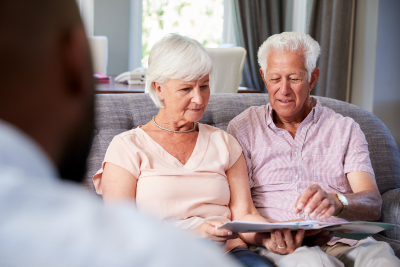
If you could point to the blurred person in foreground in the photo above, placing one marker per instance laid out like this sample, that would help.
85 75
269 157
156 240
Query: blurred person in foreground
190 175
306 162
46 125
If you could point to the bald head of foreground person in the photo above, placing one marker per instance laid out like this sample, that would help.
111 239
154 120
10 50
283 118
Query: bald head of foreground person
46 79
46 126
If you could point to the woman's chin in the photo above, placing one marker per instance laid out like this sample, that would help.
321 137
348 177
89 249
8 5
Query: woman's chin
193 118
194 115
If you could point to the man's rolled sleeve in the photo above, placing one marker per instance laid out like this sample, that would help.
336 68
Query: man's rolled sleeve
357 155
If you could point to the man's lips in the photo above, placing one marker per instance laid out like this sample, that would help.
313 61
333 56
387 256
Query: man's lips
285 101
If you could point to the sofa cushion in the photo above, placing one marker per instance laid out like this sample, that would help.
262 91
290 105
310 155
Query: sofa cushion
116 113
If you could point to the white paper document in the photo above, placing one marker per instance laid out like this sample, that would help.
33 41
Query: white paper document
351 230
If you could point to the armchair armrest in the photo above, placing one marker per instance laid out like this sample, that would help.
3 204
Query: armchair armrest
391 213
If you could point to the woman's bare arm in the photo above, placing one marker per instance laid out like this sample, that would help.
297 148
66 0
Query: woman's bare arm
117 184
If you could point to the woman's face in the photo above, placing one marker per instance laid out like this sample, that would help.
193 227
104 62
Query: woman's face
185 101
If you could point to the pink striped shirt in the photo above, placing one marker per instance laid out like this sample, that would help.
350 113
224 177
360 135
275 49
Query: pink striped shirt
326 147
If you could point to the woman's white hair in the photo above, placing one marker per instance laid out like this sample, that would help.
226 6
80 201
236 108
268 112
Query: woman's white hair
176 57
293 42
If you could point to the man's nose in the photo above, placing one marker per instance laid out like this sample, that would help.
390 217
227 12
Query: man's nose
285 87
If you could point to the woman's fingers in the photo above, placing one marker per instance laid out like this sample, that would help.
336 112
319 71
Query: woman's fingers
213 231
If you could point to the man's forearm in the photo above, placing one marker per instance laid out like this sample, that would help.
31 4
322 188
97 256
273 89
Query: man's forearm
363 206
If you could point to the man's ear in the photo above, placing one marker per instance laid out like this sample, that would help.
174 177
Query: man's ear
262 76
314 77
76 62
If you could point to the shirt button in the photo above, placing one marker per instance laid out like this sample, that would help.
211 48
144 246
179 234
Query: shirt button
295 153
296 176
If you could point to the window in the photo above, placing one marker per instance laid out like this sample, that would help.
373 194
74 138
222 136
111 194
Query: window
200 20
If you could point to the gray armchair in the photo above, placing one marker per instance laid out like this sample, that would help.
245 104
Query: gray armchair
119 113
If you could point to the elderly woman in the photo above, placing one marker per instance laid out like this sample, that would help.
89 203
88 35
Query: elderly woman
190 175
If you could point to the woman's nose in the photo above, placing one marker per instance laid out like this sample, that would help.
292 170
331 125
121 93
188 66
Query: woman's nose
197 96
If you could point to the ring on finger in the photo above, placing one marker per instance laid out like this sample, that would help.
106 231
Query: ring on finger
281 247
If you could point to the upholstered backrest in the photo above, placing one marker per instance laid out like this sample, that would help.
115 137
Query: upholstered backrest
121 112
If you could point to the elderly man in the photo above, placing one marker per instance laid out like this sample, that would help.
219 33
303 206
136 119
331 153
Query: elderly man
46 123
306 162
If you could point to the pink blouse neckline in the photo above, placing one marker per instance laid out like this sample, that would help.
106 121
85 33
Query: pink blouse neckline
195 158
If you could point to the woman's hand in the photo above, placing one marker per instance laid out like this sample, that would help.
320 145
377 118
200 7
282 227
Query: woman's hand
285 241
317 202
209 231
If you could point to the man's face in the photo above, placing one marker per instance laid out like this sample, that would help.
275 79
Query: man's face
287 84
73 163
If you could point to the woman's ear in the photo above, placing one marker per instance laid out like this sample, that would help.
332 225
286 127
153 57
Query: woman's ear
159 90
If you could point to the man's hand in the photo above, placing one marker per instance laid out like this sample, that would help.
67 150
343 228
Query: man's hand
285 241
317 202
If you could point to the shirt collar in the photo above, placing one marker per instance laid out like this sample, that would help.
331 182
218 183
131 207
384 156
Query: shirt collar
313 115
18 150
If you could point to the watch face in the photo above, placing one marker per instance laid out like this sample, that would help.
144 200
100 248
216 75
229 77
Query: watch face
343 199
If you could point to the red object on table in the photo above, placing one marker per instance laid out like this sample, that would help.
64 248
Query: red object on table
101 78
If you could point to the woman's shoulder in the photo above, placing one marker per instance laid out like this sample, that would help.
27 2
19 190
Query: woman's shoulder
130 136
215 132
212 129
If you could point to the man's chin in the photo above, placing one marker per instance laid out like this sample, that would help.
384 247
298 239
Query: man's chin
72 165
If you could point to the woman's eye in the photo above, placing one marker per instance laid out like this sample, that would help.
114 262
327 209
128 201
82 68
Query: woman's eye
185 89
204 87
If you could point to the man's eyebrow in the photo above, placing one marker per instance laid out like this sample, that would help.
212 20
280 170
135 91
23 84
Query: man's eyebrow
274 73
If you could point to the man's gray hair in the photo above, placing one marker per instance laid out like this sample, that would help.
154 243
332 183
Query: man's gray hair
176 57
293 42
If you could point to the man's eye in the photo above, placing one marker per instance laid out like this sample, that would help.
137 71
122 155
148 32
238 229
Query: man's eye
204 87
185 89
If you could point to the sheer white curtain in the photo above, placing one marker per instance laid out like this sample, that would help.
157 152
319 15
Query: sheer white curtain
86 8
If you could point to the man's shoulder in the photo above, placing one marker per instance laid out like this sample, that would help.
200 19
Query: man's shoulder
61 222
329 116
